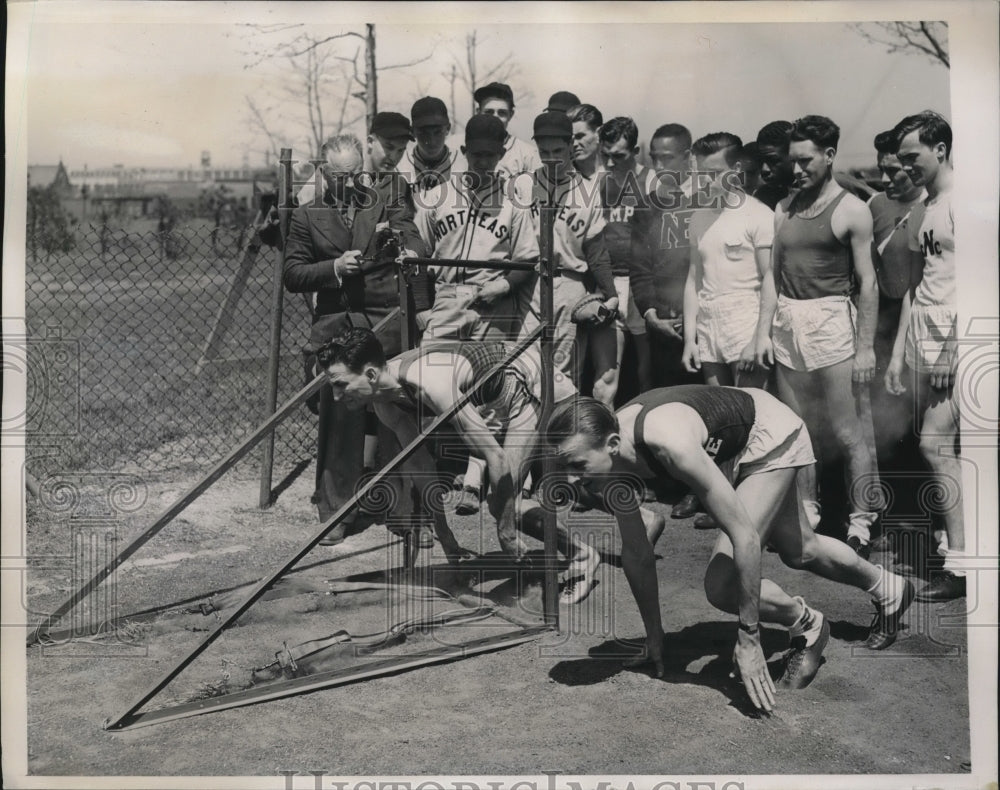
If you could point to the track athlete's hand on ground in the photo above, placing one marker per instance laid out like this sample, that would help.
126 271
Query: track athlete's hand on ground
511 542
652 655
749 660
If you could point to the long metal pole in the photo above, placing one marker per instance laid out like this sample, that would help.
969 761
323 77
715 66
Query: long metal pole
325 527
454 263
336 677
175 509
168 515
277 305
550 585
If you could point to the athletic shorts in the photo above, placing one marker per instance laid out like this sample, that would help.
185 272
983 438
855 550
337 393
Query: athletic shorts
778 439
628 319
726 324
930 335
810 334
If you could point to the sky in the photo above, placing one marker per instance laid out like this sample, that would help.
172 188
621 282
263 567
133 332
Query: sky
155 86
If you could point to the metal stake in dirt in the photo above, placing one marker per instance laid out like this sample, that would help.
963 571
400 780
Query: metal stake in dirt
550 588
262 587
277 296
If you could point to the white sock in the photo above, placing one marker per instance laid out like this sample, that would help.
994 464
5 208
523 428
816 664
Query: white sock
474 473
859 525
942 542
809 624
887 592
954 562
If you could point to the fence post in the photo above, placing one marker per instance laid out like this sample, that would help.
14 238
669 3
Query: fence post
277 295
550 587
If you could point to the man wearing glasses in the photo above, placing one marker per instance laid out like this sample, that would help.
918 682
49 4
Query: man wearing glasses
336 248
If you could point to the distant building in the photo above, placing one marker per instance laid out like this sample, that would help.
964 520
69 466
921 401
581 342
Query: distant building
51 176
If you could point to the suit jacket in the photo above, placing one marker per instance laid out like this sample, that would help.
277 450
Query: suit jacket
318 235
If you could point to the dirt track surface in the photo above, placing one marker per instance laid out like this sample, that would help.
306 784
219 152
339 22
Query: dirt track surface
562 702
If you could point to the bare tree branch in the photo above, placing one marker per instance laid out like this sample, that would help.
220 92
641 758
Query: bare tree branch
318 43
258 120
405 65
927 38
499 71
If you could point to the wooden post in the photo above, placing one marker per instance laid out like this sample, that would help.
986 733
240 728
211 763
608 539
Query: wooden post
274 354
371 77
550 586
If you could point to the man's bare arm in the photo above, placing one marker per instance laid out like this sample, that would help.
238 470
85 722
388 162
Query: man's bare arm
852 223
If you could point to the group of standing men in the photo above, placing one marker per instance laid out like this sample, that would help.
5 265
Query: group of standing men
734 265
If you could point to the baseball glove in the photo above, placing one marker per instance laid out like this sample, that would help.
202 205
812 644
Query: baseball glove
590 310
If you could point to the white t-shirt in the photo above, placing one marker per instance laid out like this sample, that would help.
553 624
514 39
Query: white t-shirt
727 240
931 232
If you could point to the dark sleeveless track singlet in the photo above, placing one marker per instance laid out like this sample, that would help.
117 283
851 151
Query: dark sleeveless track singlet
482 356
728 414
813 263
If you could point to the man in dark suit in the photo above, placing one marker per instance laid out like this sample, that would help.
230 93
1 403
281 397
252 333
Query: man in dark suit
333 249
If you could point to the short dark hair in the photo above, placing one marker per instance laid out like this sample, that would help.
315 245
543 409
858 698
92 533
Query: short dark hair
749 153
617 128
718 141
817 129
885 142
587 113
354 349
673 130
774 134
933 129
583 415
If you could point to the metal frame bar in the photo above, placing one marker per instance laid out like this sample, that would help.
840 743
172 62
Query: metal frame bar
325 527
455 263
277 309
184 500
550 589
131 718
322 680
550 595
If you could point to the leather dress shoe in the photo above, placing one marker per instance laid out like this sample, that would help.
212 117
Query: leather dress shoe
945 587
687 507
885 627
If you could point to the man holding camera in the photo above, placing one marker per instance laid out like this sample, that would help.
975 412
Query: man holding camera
342 248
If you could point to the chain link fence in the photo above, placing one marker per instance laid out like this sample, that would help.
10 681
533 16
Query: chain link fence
147 349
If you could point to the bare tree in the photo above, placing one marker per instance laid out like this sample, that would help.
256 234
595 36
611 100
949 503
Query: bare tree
926 38
469 72
311 58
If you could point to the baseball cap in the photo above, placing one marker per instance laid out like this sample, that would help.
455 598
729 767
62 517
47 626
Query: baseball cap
495 90
553 124
560 101
484 133
392 124
429 111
